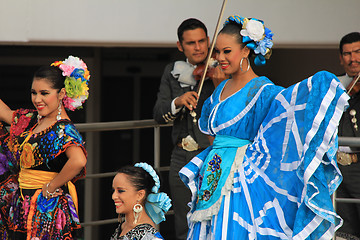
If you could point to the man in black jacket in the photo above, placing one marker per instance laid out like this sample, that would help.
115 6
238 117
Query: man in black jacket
349 158
176 98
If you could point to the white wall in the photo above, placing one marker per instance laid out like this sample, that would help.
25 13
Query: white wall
154 22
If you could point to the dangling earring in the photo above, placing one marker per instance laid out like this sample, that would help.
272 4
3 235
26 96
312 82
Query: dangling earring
58 117
248 62
39 117
137 211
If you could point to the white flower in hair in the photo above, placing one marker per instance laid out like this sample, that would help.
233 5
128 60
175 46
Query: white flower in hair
79 101
254 30
74 62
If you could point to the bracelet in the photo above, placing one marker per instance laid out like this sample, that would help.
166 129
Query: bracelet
49 193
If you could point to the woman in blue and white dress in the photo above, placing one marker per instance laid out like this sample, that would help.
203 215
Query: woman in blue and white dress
271 169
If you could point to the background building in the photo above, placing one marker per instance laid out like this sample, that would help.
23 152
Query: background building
127 44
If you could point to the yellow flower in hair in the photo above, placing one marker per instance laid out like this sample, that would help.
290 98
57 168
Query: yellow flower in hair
57 63
245 22
87 74
84 87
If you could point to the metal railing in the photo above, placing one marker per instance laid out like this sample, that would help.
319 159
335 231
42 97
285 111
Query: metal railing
129 125
141 124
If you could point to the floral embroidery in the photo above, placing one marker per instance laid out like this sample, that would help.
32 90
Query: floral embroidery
45 205
215 163
140 232
214 166
22 123
206 195
27 157
61 131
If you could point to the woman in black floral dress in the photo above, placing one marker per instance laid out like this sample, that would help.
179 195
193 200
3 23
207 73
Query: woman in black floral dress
42 156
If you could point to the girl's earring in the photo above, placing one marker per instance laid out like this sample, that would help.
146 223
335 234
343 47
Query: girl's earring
58 117
137 211
248 64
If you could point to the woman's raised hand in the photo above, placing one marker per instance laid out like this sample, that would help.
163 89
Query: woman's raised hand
5 113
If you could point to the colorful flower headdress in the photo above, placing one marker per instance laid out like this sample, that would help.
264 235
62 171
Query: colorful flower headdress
157 203
76 81
256 37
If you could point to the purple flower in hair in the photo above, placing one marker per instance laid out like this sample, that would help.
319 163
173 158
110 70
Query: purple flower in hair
263 46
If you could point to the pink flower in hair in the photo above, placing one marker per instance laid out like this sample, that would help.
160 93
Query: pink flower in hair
68 103
67 70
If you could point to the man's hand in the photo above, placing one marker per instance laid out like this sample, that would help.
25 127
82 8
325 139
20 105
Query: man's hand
188 99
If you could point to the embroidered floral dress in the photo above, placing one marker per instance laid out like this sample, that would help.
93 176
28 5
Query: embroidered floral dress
26 161
271 169
140 232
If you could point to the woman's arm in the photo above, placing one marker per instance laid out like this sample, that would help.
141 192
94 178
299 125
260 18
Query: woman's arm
5 113
76 162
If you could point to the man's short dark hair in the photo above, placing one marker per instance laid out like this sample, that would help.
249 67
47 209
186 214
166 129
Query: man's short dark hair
190 24
349 38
